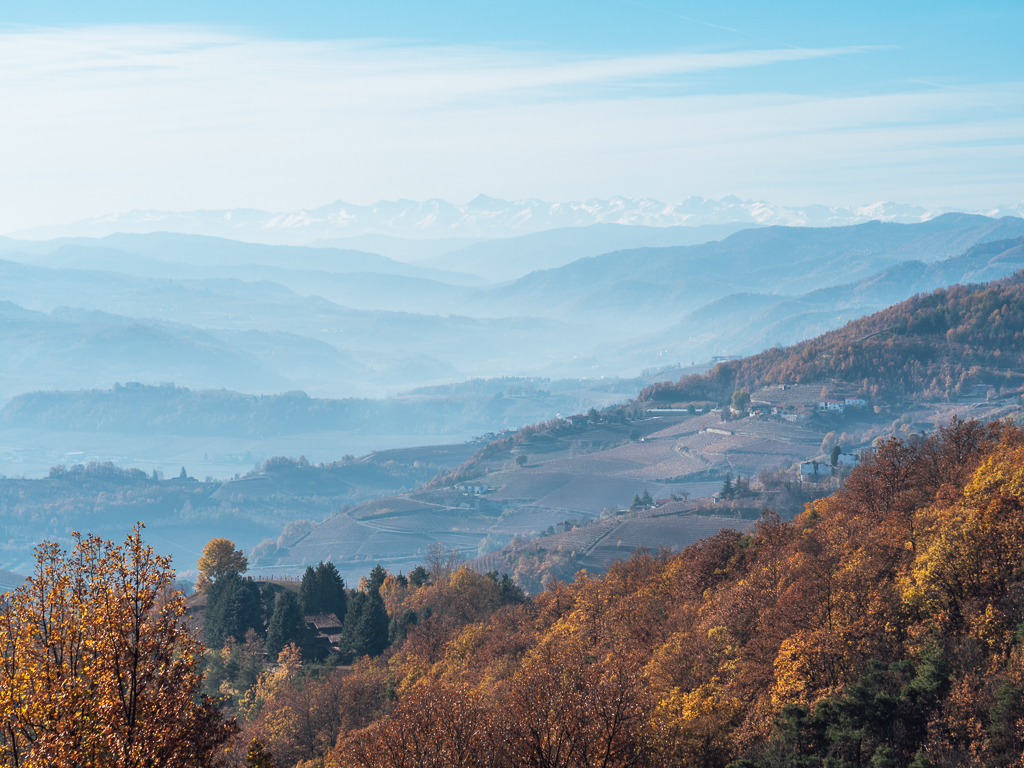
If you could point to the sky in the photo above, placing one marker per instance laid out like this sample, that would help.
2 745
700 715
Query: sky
113 106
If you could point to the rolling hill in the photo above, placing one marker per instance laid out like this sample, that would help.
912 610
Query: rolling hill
935 345
514 257
652 285
743 324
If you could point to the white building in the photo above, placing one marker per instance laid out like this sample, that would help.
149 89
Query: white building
847 460
476 488
815 468
857 401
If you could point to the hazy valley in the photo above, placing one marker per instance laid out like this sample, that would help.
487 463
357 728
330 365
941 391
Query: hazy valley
185 351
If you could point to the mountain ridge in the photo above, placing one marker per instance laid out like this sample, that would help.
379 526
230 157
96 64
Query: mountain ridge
482 216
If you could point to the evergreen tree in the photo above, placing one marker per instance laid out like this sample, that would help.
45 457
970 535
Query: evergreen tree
646 500
356 604
183 475
366 625
418 576
286 624
372 629
835 454
376 578
323 591
233 606
309 591
727 488
510 592
636 501
399 626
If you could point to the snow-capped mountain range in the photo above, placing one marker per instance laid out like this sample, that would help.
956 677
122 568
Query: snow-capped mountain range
481 217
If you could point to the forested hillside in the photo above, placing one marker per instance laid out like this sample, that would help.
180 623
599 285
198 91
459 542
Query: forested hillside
880 627
933 345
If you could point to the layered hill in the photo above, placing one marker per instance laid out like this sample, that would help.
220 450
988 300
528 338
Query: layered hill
933 346
138 409
652 286
746 323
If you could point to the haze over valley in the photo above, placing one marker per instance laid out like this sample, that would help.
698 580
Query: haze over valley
166 350
533 385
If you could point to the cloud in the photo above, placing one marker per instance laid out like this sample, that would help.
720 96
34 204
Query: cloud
112 118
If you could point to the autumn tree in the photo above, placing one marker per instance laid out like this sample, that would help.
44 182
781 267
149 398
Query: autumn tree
297 713
437 725
219 557
258 757
97 666
441 562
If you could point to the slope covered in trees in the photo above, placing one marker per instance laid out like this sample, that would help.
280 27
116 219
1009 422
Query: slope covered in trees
933 345
882 626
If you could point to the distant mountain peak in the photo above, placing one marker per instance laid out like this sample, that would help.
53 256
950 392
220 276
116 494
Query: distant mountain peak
483 216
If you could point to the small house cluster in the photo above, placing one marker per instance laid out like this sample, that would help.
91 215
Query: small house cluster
323 633
795 402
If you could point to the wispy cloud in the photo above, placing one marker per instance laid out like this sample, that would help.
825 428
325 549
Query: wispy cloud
109 118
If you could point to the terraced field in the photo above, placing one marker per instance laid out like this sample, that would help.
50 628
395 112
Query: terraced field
575 474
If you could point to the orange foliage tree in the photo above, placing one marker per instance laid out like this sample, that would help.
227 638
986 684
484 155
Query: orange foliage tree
97 666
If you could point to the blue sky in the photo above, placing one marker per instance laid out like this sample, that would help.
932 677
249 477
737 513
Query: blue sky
279 106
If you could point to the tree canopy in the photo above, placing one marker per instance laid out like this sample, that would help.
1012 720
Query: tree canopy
323 591
98 667
219 557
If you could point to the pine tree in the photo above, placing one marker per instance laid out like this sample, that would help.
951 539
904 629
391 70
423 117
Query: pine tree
646 500
372 629
352 620
366 625
233 606
285 625
727 487
418 576
323 591
399 626
377 576
309 591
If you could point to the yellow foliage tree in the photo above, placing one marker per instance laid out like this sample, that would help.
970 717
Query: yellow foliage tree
970 549
219 557
97 666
